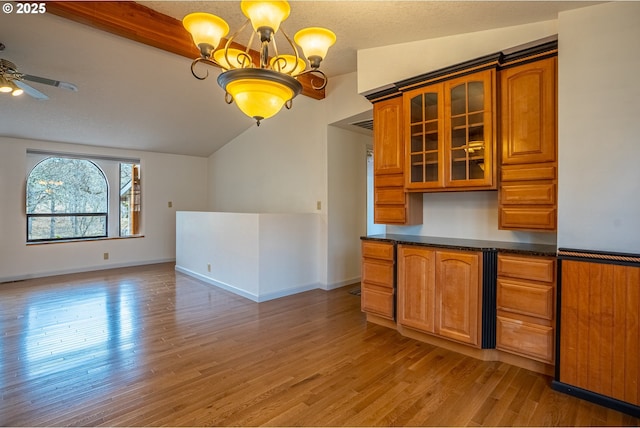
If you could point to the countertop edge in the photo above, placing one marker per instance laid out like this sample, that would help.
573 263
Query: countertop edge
543 250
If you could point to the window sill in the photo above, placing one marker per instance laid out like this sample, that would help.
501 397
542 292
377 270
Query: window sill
64 241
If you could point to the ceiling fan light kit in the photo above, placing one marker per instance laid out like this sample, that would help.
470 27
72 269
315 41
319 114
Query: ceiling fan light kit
260 90
12 81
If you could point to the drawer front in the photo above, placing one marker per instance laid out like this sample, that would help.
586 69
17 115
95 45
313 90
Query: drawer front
392 180
530 268
377 272
526 298
377 300
389 195
527 173
377 250
527 339
539 218
389 214
528 194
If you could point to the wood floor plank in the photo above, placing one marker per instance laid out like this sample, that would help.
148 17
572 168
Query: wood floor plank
148 346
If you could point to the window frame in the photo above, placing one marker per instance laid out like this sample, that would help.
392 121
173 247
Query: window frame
109 166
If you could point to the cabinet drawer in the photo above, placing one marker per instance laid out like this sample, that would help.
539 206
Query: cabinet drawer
528 194
531 268
377 272
520 337
393 180
377 300
528 173
377 250
389 195
526 298
390 214
538 218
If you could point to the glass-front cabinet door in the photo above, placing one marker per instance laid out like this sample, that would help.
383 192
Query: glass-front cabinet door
469 130
425 151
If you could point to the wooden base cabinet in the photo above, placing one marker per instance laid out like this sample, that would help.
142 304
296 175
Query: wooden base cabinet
526 301
439 292
377 291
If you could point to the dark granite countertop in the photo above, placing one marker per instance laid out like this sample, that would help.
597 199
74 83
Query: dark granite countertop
467 244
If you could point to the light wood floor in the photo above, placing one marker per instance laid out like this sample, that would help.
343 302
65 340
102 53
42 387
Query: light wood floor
147 346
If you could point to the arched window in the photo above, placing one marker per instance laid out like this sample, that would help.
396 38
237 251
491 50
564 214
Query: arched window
66 199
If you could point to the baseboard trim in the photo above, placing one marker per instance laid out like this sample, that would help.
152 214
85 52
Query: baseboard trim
603 400
251 296
83 269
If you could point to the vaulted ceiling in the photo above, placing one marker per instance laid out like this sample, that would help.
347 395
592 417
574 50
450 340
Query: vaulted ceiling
135 96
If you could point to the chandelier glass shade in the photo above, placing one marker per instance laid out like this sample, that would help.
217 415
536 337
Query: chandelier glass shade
259 84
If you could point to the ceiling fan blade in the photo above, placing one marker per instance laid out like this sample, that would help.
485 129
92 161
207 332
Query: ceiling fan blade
33 92
51 82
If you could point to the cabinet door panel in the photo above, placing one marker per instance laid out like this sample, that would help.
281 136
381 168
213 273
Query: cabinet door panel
457 295
388 145
529 112
416 288
469 137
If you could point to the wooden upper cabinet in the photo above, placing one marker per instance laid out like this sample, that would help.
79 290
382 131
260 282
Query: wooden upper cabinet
469 136
425 138
528 112
449 134
388 145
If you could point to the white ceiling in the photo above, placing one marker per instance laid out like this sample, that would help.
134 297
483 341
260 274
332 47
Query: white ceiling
138 97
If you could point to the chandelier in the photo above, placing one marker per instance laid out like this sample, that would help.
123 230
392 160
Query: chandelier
259 84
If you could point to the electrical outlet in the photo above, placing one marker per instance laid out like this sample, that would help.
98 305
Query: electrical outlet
106 256
208 267
319 205
170 204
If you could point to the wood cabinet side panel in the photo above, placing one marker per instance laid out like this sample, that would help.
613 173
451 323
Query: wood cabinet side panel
600 329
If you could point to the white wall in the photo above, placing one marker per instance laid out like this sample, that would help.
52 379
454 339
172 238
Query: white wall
257 256
347 174
416 58
599 132
467 215
282 166
179 179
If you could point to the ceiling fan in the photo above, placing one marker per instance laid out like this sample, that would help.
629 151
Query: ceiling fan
11 80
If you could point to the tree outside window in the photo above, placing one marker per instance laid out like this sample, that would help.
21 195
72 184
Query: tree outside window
66 199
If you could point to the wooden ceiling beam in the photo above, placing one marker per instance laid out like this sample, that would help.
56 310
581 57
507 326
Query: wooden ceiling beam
136 22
